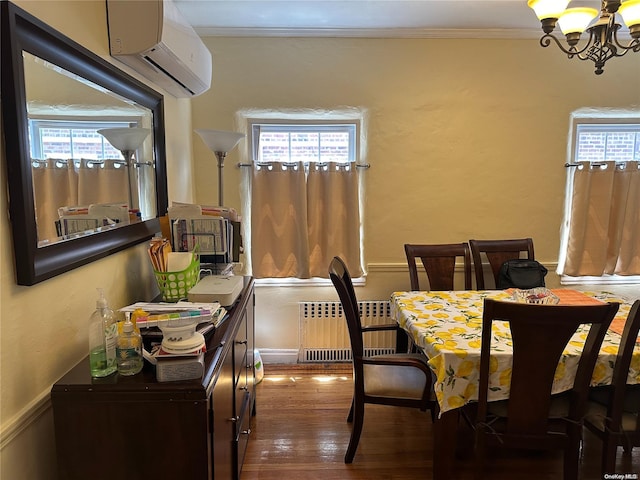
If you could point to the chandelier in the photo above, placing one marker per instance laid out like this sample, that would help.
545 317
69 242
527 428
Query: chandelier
603 42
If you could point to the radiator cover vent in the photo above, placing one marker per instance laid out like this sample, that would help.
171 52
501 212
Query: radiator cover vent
324 337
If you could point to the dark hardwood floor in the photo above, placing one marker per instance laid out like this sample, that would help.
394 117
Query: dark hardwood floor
300 432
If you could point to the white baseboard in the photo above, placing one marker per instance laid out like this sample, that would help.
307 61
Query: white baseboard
278 355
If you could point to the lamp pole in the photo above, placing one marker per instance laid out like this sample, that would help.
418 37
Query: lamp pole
221 156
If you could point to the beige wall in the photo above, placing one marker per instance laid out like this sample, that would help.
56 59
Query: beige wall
43 328
466 138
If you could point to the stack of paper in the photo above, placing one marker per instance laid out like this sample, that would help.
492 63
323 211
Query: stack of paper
211 229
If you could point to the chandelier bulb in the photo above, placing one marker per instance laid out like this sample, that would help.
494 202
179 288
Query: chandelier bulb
546 9
630 13
577 20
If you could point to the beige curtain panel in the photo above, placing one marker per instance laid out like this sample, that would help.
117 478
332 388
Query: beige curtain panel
279 241
60 183
299 222
54 185
103 183
333 218
604 233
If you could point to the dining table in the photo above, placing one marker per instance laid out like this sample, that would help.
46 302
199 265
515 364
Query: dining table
447 327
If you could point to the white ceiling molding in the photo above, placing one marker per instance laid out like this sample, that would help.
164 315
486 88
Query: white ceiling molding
484 33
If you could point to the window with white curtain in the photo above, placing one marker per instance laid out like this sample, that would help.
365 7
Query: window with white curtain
601 231
303 196
73 165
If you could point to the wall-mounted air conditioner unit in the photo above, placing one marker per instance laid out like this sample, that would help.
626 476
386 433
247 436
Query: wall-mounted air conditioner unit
153 38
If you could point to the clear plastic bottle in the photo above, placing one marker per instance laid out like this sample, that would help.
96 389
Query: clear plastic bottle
129 350
103 333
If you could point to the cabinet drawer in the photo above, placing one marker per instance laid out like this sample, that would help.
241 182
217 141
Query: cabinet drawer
244 430
240 351
241 386
240 362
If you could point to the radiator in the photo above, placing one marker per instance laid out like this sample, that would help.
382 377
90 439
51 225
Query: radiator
324 336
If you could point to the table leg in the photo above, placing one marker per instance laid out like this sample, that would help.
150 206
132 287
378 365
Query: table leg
445 432
402 341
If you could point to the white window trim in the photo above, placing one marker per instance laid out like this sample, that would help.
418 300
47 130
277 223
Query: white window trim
604 280
243 123
39 122
304 282
350 126
585 117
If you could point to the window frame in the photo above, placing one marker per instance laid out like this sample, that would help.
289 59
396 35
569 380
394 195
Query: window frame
327 119
304 126
603 125
609 122
38 123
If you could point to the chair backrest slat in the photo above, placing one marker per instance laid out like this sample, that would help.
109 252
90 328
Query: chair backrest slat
540 333
439 262
341 279
621 369
497 252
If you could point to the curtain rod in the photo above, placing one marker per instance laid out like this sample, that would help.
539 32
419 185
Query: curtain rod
61 162
599 164
321 164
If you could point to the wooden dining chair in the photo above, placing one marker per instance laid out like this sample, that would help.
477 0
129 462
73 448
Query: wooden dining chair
532 418
439 262
403 380
613 412
497 252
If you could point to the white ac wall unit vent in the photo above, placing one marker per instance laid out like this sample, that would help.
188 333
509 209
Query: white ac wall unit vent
153 38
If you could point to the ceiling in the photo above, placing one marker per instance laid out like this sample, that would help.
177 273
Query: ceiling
364 18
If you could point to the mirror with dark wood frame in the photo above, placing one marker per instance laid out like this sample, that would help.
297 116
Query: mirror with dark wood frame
33 56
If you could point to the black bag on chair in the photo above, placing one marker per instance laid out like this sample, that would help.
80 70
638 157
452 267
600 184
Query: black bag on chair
521 273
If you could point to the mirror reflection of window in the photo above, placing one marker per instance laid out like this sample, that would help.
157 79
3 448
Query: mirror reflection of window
73 166
61 139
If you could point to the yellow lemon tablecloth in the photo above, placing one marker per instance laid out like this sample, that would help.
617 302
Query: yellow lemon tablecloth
448 326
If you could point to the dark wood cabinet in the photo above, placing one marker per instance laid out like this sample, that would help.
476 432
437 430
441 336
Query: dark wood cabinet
136 427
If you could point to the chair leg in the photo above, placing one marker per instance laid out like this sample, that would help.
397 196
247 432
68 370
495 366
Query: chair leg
609 450
358 419
480 452
434 409
572 455
350 416
402 341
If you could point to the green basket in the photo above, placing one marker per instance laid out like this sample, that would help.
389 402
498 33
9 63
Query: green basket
175 285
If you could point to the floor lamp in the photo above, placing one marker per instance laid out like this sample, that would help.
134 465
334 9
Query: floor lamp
127 140
220 143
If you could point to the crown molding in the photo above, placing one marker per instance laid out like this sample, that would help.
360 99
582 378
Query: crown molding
370 33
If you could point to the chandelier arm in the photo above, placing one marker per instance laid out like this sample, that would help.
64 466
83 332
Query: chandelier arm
572 51
633 45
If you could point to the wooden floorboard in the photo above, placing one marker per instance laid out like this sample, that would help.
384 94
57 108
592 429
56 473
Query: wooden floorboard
300 432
